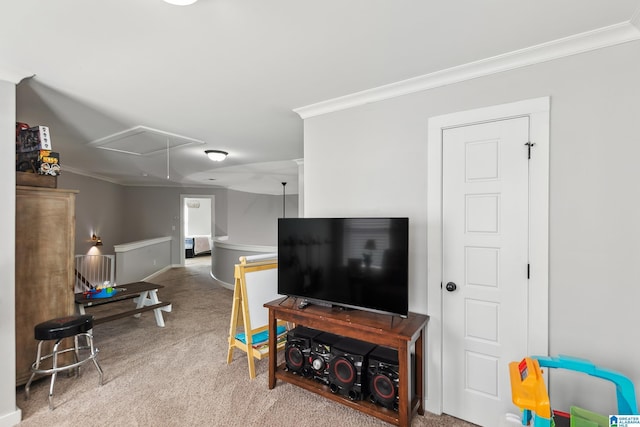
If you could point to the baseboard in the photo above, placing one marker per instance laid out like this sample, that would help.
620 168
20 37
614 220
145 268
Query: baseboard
221 282
152 275
11 419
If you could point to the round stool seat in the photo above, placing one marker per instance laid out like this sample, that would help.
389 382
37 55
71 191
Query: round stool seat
63 327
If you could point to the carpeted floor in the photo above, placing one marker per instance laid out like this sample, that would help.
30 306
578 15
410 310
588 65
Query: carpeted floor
178 375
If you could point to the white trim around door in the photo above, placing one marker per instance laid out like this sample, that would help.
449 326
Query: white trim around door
538 111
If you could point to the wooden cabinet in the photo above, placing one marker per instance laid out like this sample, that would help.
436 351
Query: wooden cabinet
391 331
45 238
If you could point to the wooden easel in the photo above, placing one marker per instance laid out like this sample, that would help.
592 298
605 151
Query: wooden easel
249 295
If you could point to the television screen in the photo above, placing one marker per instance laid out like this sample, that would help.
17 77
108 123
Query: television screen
352 262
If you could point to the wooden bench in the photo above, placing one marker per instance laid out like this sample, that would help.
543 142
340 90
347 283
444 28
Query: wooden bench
144 295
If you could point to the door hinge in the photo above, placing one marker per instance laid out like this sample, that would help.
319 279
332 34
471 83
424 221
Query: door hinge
529 145
528 272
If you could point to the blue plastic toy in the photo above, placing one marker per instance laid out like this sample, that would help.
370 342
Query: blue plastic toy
529 392
625 391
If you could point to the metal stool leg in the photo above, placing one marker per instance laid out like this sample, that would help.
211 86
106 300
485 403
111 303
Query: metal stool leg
36 365
54 374
76 355
94 353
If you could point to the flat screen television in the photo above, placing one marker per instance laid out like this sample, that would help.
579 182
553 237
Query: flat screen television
359 263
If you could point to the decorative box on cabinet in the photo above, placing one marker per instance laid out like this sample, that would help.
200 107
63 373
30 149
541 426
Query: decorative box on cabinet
45 239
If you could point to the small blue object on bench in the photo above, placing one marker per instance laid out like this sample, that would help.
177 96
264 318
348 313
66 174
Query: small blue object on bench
101 293
259 337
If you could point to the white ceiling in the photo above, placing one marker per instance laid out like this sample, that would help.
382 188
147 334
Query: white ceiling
227 74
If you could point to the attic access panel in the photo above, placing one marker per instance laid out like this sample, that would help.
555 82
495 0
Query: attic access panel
143 141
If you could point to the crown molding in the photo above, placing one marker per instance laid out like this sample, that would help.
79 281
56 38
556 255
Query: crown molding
83 172
560 48
13 75
89 174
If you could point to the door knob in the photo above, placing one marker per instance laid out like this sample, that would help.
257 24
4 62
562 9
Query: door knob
451 286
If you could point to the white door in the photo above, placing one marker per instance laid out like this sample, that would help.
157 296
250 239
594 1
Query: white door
485 220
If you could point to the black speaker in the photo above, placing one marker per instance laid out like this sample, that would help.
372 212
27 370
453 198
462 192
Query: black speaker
321 355
348 367
383 373
298 349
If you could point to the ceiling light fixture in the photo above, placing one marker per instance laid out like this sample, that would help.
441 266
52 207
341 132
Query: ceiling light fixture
216 155
181 2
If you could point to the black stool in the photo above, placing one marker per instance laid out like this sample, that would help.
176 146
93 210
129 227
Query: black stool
56 329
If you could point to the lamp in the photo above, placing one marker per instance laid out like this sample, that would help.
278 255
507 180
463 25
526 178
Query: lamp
181 2
97 241
216 155
369 247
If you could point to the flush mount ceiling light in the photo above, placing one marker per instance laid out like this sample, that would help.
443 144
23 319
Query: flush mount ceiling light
181 2
216 155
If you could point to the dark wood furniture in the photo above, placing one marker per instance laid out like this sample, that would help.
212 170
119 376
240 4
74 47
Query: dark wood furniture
45 243
402 334
147 300
36 180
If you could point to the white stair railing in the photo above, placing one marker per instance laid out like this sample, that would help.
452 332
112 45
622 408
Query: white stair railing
93 271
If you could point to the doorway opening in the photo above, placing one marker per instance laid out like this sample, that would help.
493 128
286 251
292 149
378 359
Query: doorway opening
197 228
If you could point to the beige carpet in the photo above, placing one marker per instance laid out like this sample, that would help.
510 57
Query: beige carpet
178 375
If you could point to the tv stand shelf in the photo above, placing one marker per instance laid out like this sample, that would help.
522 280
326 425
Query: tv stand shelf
381 329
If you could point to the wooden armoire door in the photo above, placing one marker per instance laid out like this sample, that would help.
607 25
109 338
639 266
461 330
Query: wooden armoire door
45 239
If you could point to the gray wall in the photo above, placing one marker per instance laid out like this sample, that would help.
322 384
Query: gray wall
99 209
139 263
253 218
123 214
9 413
156 211
594 206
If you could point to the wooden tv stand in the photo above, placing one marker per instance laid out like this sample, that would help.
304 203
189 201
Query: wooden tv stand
391 331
